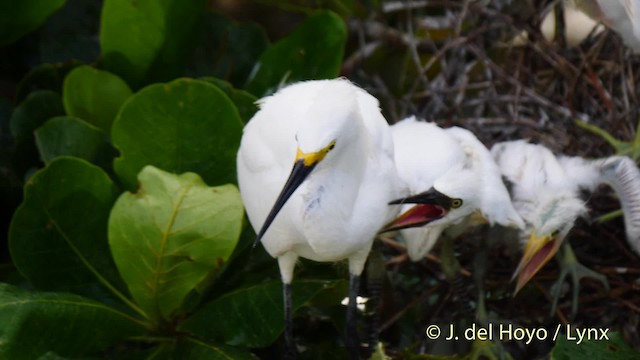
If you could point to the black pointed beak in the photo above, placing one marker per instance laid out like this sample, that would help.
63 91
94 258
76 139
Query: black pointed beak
429 197
298 174
430 205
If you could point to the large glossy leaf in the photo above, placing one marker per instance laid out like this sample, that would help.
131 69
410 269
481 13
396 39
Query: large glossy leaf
185 125
313 51
245 102
252 316
228 50
58 235
69 136
94 96
37 323
18 18
37 108
44 77
149 40
172 235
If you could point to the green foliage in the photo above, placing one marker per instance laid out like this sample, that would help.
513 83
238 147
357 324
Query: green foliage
18 18
172 235
94 95
613 348
60 229
250 316
146 41
31 324
33 112
130 227
228 50
627 148
173 126
69 136
313 51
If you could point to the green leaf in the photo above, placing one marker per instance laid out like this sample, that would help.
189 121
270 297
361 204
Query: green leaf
228 50
44 77
245 102
35 323
58 235
194 349
68 136
94 95
185 125
613 348
252 316
172 235
18 18
37 108
313 51
147 41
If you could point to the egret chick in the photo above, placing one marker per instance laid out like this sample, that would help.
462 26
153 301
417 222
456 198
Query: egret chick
455 184
315 172
546 192
453 179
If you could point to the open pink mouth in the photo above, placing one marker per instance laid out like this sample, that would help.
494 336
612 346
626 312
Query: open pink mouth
418 215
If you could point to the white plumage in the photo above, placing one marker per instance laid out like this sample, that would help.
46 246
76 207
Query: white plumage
446 163
546 193
623 16
331 206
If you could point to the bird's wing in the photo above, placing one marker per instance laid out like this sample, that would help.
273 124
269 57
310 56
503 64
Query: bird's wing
622 174
496 203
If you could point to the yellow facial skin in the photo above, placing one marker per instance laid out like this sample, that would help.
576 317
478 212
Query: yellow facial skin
314 157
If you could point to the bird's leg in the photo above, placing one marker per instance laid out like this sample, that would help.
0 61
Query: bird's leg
375 278
451 268
569 266
351 331
287 263
290 352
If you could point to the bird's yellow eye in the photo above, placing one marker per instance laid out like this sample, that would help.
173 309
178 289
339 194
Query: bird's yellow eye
456 203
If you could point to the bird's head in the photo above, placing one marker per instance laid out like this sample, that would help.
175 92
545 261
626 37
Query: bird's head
429 206
548 224
452 198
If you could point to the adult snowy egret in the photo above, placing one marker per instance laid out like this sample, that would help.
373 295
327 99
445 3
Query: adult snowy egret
546 192
316 171
452 177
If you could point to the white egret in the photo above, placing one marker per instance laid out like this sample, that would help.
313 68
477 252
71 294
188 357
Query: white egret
316 172
454 183
546 192
452 177
623 16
